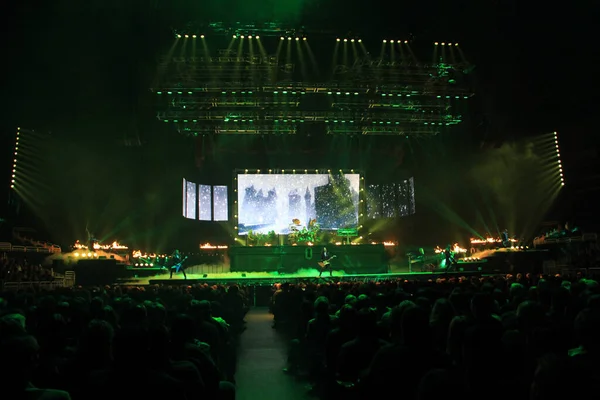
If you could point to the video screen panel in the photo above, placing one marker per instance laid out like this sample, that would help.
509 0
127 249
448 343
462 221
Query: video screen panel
184 198
204 203
190 200
270 202
220 203
391 200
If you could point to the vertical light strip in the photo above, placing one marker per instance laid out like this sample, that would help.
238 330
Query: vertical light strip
13 175
560 168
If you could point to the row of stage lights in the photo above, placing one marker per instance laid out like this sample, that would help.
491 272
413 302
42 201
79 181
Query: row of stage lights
560 170
189 36
348 40
238 36
14 168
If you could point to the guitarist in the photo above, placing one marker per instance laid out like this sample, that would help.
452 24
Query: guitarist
177 264
326 262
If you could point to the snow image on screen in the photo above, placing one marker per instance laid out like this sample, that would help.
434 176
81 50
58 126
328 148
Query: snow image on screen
220 204
270 202
204 202
391 200
184 198
190 199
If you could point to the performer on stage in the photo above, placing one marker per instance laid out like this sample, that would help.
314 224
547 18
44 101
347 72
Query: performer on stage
325 262
449 257
176 263
505 239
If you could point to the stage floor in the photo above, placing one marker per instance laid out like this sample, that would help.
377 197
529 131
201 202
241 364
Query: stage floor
308 275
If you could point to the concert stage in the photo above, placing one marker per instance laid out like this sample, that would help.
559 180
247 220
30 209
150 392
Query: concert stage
301 277
359 259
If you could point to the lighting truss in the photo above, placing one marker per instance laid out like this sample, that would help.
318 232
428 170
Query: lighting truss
236 92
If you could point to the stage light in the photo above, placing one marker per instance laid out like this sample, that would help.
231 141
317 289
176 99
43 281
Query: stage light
187 36
352 40
337 40
406 42
250 37
391 41
359 40
345 40
443 44
201 36
289 38
281 38
178 36
193 36
436 43
257 37
234 36
304 38
241 37
384 41
455 44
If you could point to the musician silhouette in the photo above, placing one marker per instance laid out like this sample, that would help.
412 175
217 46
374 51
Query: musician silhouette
176 264
325 262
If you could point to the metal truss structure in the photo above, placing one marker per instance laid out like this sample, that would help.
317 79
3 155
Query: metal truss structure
232 92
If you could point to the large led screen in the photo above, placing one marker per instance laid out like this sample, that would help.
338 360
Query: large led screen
220 204
190 200
270 202
391 200
204 203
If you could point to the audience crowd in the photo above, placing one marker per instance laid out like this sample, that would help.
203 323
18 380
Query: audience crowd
518 337
116 342
14 269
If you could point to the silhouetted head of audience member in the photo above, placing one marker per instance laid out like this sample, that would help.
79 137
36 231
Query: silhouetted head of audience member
19 360
366 322
415 327
347 317
587 330
321 306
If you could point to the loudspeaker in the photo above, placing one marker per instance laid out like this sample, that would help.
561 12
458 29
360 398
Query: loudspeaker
96 272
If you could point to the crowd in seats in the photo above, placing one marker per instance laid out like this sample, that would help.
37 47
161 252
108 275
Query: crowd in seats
13 269
117 342
519 337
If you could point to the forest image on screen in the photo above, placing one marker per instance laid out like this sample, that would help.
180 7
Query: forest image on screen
270 202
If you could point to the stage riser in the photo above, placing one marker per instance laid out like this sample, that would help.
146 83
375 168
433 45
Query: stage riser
368 259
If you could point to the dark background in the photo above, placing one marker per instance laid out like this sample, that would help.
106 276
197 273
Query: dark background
81 71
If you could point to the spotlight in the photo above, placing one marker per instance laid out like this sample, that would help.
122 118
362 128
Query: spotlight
359 40
241 37
391 41
257 37
406 42
297 39
201 36
384 41
234 36
345 40
337 40
436 43
187 36
352 40
455 44
178 36
304 38
193 36
250 37
289 38
281 38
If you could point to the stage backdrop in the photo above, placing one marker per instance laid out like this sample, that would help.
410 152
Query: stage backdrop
364 259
